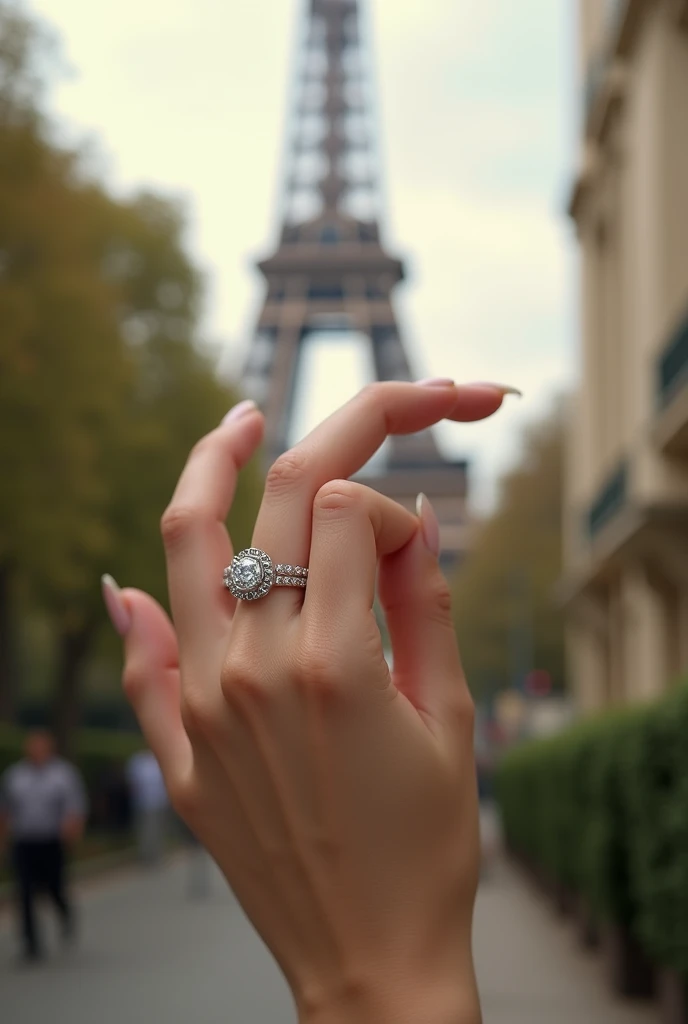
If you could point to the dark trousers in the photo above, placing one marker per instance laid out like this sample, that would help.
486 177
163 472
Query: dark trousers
39 866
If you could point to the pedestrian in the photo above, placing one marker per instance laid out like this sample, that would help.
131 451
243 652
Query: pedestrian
150 806
42 814
338 797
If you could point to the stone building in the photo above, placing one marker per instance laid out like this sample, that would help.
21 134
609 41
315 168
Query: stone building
625 586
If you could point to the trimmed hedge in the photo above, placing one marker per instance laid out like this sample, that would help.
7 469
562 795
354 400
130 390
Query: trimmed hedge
544 789
602 811
606 851
656 770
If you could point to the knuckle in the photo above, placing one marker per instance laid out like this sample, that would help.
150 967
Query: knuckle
198 715
176 524
242 681
375 397
374 401
439 601
337 496
134 680
183 796
462 710
204 444
285 473
372 392
320 673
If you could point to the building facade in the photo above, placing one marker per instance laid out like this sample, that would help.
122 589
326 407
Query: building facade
625 584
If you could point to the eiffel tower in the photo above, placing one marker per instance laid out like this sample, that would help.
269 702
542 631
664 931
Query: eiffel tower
331 272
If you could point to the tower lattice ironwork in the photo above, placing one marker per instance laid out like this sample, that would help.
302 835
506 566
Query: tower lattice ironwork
330 271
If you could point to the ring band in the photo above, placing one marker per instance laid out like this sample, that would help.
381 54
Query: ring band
290 576
252 575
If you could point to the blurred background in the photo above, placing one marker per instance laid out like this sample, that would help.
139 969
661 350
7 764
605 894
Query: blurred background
283 201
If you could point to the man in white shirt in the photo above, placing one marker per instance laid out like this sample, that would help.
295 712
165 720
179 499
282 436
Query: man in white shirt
149 804
42 813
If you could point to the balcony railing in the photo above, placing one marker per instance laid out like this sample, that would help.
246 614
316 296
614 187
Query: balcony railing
609 501
614 14
597 66
673 365
617 15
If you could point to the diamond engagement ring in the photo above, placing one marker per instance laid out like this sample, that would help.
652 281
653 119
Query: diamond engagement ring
252 575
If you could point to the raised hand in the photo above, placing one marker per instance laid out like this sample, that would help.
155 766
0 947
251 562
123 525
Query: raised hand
338 800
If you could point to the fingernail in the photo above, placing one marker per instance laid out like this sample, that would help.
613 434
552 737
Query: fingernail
248 405
429 524
506 389
120 616
436 382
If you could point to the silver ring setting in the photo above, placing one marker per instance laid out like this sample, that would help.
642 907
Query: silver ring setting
252 575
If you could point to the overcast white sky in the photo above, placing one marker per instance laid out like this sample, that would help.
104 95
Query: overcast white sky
478 114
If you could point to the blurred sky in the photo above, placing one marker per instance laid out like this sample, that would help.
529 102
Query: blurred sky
478 120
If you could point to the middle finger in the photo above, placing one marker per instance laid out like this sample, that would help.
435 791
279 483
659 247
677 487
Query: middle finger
340 446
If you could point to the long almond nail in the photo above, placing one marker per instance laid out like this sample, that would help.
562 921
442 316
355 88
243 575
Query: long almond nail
435 382
429 524
505 389
120 616
242 409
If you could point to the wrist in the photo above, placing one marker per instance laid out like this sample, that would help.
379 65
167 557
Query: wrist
396 1001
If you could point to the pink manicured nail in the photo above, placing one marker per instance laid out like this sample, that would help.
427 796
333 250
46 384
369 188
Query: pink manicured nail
429 524
120 616
506 389
435 382
248 405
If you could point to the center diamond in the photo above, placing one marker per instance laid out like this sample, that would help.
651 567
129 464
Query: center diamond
247 573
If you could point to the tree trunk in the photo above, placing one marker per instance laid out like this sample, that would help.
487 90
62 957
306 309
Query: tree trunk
673 997
629 969
9 661
73 646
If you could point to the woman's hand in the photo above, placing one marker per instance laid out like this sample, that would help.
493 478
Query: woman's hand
339 802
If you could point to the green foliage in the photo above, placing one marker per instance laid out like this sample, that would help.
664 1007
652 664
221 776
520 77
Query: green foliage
504 590
656 772
27 58
521 788
104 383
606 867
603 809
545 810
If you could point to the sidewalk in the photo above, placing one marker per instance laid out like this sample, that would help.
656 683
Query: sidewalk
149 952
530 967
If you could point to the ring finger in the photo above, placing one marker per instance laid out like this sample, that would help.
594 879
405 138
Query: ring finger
338 448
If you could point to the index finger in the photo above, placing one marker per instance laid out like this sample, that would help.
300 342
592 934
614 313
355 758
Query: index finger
342 445
197 545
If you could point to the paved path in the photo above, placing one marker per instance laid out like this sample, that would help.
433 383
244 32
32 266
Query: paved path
151 955
531 969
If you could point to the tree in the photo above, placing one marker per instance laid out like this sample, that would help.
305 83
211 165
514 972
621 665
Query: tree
19 85
103 385
28 58
62 358
173 398
506 617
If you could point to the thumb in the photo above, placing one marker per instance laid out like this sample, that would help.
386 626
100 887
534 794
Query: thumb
151 674
416 600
